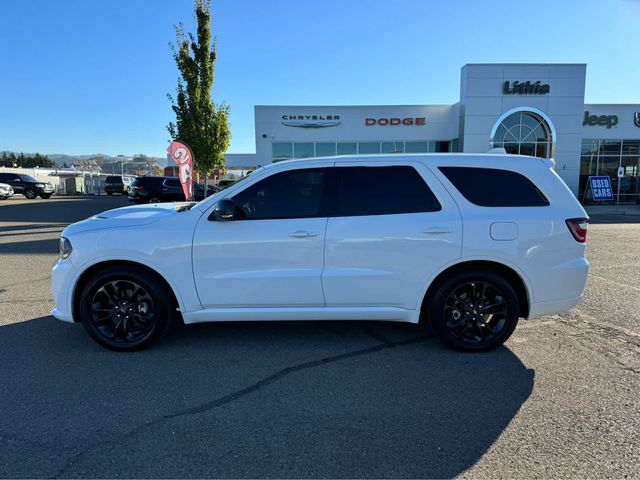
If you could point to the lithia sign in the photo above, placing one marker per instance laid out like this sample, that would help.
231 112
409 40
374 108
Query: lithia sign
525 88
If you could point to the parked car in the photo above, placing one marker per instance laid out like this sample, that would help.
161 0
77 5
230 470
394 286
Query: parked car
114 184
163 189
5 191
127 180
27 185
468 243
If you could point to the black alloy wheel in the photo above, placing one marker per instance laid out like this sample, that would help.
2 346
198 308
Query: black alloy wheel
30 193
475 311
125 309
154 199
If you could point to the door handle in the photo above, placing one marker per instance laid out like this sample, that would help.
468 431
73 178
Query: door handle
437 230
303 234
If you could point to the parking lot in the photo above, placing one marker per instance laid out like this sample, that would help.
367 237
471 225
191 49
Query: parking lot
316 399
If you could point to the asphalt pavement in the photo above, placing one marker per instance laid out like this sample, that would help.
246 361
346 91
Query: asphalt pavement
316 399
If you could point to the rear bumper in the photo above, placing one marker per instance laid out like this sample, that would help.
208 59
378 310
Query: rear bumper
540 309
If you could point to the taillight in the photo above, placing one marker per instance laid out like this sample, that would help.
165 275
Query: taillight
137 187
578 228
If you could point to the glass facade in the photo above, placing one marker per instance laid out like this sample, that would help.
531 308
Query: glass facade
603 157
524 133
288 150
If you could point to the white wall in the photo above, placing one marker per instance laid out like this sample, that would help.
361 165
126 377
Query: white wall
624 129
441 124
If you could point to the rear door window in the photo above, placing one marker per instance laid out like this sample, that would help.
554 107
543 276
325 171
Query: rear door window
383 191
493 187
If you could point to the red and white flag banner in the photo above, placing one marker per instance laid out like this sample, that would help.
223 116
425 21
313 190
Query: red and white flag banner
181 154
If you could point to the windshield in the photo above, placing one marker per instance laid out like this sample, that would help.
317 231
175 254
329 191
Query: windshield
27 178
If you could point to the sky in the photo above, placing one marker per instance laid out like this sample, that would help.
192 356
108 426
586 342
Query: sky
83 77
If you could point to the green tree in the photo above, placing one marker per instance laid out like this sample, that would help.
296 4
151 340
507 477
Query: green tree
200 123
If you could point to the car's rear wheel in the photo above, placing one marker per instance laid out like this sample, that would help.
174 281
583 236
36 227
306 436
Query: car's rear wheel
475 311
154 199
30 193
125 308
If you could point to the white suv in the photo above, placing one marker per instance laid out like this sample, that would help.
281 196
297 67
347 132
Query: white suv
469 243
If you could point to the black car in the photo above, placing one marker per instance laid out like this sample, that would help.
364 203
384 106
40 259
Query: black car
163 189
114 184
27 185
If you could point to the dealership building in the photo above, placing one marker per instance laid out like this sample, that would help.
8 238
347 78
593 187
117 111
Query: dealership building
527 109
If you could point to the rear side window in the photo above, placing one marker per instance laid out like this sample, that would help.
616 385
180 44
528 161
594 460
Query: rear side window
172 183
492 187
383 191
113 180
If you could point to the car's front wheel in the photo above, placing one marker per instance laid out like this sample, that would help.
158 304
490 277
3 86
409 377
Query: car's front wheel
3 198
30 193
475 310
125 308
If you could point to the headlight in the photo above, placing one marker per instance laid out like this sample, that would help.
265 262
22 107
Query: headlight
40 185
65 248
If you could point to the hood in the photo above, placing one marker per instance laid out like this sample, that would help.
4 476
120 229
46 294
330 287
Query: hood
133 216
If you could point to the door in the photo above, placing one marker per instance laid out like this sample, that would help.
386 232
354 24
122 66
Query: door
14 180
172 190
273 255
395 226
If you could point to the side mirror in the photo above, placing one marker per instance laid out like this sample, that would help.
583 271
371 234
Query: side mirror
224 210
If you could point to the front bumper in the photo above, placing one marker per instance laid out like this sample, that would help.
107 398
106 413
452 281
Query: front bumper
62 283
6 193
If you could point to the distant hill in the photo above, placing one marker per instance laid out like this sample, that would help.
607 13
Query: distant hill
61 158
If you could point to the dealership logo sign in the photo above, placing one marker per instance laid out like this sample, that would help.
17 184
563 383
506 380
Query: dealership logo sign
601 120
525 88
311 121
395 121
636 119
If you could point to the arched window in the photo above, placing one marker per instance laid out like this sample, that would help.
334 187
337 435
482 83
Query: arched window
524 133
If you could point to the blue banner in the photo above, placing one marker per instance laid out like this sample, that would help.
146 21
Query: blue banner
601 188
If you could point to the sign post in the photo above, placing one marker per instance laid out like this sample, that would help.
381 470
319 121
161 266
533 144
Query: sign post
181 154
620 176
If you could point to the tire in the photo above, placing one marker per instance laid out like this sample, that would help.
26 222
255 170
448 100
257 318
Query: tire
130 326
154 199
30 193
3 198
46 196
109 193
474 326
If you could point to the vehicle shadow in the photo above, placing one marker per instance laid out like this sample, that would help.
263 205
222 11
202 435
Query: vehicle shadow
30 247
294 400
42 210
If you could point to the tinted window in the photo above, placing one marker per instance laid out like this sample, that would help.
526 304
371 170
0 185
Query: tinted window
174 183
112 179
7 177
490 187
26 178
292 194
383 191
